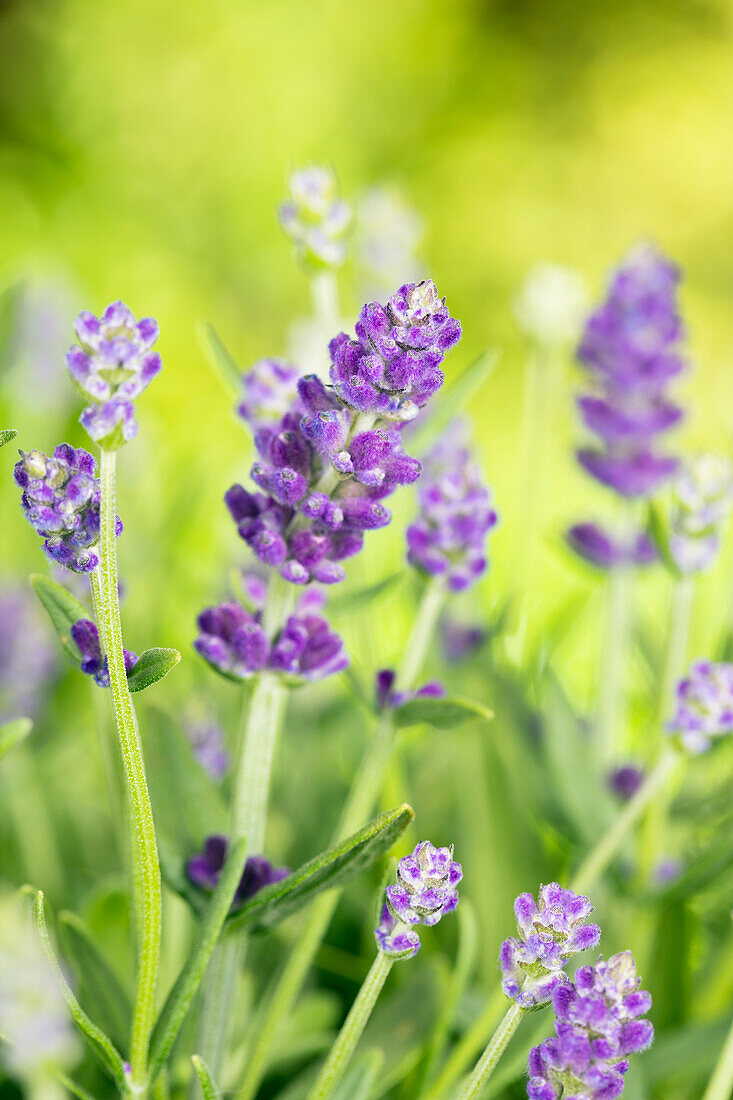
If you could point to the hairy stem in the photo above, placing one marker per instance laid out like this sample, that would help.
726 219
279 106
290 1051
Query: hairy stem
489 1060
346 1041
359 804
146 872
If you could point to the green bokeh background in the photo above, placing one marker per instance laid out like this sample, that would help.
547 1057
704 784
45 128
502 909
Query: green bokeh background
144 147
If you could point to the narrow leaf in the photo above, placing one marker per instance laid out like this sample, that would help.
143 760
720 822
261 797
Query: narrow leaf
206 1081
361 1078
6 434
100 1043
12 733
330 868
455 398
352 601
444 713
63 610
659 534
219 357
73 1086
188 981
152 666
99 988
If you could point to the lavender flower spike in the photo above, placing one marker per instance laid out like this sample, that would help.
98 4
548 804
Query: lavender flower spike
702 499
597 1026
424 892
111 367
704 706
204 870
60 499
448 538
630 349
551 931
316 219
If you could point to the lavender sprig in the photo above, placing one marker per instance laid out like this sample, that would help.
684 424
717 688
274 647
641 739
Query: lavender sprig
316 219
704 706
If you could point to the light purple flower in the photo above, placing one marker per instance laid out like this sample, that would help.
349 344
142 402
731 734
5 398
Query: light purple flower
204 870
551 930
206 739
424 892
630 349
316 219
448 539
704 706
269 391
702 498
112 365
597 1026
85 636
60 499
27 657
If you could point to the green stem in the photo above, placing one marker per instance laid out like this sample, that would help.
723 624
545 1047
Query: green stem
611 691
362 798
343 1049
146 872
720 1085
608 846
324 295
488 1061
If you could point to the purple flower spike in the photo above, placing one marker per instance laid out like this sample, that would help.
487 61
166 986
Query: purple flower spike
702 498
630 349
269 388
307 649
204 870
704 706
85 635
448 539
316 219
597 1026
60 499
393 366
551 930
111 367
424 892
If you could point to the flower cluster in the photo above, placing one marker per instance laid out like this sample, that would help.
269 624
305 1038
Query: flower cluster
111 367
424 892
85 636
704 706
551 931
591 542
269 391
315 218
60 499
386 696
232 640
324 472
597 1026
204 870
702 498
392 368
448 537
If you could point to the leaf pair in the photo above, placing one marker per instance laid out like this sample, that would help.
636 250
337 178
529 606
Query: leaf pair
64 610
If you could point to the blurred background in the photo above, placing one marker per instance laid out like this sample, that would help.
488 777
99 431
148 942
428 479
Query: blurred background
144 148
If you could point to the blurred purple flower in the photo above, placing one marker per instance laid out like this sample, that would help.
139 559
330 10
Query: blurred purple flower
27 657
206 739
204 870
704 706
269 392
315 218
625 781
460 640
599 547
386 696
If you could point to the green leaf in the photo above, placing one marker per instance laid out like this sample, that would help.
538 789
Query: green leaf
188 981
12 733
359 1081
73 1086
6 434
98 987
444 712
659 534
454 399
206 1081
63 610
151 666
330 868
100 1043
219 357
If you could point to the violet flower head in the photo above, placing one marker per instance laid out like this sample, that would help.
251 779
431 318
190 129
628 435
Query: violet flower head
424 892
269 391
204 870
598 1024
630 350
702 499
316 219
460 640
233 642
85 636
625 781
385 695
392 368
60 499
596 545
704 706
112 365
551 931
448 539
